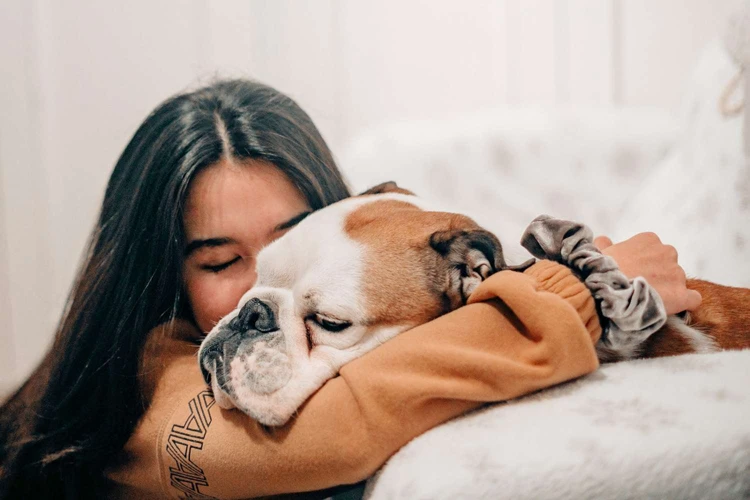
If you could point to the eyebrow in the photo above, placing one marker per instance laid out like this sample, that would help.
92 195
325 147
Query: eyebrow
292 222
196 245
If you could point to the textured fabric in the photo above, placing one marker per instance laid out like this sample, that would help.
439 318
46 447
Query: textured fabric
737 35
737 43
503 167
667 428
634 309
496 348
698 198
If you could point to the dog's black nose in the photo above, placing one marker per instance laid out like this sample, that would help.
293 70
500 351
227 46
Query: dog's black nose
255 315
254 319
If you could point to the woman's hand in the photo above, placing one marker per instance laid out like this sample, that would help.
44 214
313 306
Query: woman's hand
645 255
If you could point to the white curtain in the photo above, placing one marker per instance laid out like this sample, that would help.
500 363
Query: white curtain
79 76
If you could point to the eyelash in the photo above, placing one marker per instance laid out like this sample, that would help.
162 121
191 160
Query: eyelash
220 267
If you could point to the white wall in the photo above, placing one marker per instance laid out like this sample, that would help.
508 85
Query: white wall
79 76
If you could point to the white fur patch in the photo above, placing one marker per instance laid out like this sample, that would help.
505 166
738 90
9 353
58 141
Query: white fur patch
699 341
316 269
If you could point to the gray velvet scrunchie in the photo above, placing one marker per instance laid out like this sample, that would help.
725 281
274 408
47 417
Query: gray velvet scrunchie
633 308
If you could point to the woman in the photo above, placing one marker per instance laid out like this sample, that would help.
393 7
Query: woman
207 179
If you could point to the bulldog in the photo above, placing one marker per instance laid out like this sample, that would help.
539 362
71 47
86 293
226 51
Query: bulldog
358 272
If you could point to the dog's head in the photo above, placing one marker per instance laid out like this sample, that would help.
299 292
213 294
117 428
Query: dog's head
345 280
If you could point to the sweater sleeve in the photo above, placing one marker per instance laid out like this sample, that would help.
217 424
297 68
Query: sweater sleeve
518 334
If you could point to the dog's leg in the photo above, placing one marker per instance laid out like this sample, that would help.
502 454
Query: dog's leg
721 322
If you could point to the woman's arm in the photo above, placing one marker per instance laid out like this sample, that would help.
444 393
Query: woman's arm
519 333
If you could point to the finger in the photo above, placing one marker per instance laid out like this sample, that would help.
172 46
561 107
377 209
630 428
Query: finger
671 252
602 242
683 277
648 236
693 300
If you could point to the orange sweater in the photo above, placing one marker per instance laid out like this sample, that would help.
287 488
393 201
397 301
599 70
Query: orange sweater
519 333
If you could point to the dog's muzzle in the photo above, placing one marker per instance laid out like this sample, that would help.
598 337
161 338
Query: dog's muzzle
247 351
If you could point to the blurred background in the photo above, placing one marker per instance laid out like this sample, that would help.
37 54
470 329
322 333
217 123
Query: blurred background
78 77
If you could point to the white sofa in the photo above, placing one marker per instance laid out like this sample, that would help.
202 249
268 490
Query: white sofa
619 170
667 428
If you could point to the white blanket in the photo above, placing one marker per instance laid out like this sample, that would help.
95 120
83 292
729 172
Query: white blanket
668 428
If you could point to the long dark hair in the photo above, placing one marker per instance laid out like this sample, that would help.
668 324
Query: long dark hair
82 403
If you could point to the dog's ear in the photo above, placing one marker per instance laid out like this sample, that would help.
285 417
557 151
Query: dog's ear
471 257
387 187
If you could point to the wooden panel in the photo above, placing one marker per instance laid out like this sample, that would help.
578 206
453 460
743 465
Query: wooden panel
100 80
588 77
419 59
532 69
8 373
94 71
228 38
497 15
660 44
295 51
25 257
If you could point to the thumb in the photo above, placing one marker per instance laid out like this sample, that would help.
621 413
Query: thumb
602 242
693 299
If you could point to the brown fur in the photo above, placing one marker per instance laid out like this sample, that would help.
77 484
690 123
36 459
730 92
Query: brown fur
723 316
668 341
399 234
386 187
401 259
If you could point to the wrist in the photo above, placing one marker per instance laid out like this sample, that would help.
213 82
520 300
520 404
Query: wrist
555 278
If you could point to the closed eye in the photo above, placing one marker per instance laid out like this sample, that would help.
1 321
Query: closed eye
220 267
329 324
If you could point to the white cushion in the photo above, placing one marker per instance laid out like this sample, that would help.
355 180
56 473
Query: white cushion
698 199
505 167
661 428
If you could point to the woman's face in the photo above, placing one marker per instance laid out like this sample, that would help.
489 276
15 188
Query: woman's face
232 211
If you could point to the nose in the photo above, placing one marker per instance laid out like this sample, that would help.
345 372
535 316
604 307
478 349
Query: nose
255 318
255 315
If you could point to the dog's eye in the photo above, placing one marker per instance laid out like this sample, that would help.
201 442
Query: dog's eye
332 325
